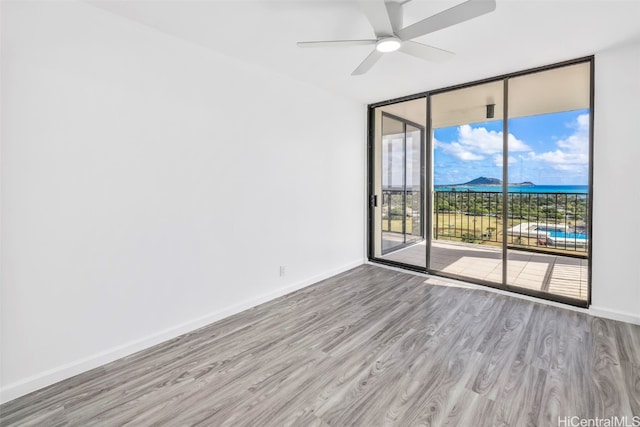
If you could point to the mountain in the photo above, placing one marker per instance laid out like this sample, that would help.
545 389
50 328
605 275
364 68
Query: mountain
483 181
494 181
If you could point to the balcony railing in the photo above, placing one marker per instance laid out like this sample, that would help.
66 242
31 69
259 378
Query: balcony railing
548 222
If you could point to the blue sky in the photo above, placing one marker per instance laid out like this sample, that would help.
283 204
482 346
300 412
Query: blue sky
549 149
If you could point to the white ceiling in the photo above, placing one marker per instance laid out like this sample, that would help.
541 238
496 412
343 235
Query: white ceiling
518 35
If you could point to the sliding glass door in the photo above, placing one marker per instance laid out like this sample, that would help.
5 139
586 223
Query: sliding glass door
399 201
489 182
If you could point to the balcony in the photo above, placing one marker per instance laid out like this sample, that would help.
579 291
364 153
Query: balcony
546 234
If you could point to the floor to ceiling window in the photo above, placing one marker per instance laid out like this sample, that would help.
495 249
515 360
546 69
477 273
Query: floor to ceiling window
467 148
549 118
489 182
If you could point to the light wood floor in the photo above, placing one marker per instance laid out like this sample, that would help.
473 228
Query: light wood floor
368 347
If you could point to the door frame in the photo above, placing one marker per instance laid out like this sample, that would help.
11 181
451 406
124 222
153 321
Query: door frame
428 198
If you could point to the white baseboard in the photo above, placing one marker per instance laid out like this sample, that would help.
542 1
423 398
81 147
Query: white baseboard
52 376
614 315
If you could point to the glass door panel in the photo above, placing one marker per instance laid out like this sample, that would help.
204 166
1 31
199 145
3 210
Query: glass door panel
547 234
413 183
467 153
398 186
394 197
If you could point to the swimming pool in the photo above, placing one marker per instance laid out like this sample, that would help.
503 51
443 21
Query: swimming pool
565 235
558 235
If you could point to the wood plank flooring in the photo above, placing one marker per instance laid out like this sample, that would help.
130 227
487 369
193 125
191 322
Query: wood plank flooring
368 347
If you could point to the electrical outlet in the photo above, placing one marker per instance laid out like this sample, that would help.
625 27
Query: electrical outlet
282 270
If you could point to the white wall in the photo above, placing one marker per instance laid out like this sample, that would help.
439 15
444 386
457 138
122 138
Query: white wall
150 186
616 204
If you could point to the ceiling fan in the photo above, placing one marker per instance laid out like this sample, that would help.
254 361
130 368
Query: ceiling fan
386 19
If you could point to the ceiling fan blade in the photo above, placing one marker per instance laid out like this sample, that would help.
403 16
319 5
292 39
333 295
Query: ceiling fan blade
455 15
378 16
336 43
428 53
368 62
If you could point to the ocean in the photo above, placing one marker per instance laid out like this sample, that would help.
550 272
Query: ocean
580 189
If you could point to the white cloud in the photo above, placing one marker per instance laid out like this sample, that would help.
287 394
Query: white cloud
572 153
478 143
461 152
498 158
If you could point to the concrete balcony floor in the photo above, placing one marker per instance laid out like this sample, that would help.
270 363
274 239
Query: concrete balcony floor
555 274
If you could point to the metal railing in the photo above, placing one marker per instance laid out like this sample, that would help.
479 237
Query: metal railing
402 211
549 222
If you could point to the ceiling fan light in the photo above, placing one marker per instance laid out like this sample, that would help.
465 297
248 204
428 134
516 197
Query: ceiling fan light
388 44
